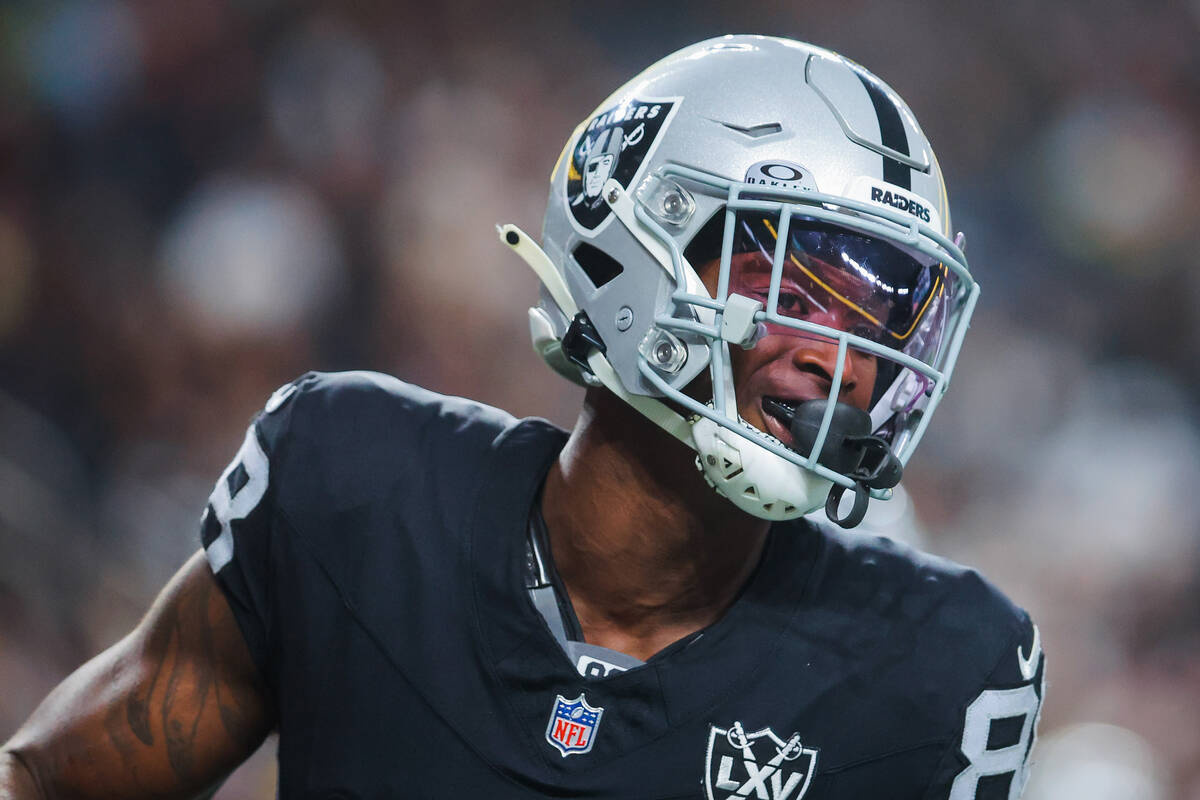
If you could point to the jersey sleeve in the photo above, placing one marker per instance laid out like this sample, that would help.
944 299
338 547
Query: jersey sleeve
238 523
989 756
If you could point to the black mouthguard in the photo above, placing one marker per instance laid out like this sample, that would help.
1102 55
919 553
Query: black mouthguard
849 449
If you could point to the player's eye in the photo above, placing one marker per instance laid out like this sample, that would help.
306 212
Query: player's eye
870 332
793 304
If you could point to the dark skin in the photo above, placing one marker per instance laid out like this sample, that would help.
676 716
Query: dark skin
648 552
168 711
789 364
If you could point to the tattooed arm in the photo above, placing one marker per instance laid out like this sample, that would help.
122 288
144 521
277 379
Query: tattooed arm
168 711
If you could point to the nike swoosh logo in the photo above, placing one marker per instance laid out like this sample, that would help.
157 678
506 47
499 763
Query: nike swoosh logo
1029 666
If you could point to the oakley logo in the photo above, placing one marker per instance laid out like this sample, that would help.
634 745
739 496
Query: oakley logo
781 175
781 172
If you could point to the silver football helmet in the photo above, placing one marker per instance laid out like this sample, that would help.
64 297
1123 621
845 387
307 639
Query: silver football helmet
746 188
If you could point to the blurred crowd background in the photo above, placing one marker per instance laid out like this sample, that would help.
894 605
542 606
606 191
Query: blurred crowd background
201 199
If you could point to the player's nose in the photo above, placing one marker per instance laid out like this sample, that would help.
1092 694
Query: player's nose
818 355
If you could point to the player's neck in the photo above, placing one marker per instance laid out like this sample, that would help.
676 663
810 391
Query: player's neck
648 552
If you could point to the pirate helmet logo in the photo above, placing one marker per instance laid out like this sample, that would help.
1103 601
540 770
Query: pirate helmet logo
613 145
599 167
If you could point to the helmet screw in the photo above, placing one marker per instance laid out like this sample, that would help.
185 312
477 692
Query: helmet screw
712 460
613 196
663 350
624 318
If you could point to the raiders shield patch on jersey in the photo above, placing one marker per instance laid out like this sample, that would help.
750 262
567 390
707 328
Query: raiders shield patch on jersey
758 764
614 144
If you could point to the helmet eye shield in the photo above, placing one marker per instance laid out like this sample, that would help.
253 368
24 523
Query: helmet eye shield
831 275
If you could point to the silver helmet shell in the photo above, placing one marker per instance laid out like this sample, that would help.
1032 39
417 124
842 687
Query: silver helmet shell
732 123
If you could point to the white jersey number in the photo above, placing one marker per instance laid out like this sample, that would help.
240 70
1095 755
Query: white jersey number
229 506
992 705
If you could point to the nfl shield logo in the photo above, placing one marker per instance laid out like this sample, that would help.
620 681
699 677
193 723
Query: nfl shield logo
573 725
756 764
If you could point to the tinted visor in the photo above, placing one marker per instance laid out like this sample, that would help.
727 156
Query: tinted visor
831 275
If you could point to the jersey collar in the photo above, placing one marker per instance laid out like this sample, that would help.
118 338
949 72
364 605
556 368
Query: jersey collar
678 685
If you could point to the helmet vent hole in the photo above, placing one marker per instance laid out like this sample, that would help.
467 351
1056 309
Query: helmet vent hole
706 244
599 266
750 491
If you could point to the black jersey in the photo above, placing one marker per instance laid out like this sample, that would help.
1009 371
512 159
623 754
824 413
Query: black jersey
371 538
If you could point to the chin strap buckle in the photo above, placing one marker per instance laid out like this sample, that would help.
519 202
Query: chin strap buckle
879 467
580 339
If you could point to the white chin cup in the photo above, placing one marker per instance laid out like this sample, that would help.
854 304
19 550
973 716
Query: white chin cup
753 478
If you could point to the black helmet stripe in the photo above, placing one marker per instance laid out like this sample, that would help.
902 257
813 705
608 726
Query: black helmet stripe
891 133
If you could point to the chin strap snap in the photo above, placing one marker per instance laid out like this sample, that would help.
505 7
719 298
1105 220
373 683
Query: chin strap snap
849 449
580 340
862 495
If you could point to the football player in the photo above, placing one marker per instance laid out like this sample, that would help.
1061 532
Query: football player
747 260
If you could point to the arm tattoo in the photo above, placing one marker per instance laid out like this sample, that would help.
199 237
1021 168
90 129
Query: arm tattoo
187 687
187 674
138 706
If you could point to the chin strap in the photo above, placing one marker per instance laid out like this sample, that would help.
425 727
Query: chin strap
849 449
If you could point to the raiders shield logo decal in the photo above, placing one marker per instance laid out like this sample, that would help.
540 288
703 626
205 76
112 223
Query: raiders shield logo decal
614 144
758 764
